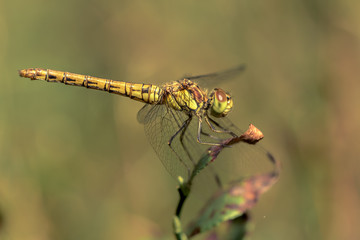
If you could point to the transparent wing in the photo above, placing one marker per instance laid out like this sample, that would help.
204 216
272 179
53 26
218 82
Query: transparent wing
161 123
233 164
241 159
217 77
143 112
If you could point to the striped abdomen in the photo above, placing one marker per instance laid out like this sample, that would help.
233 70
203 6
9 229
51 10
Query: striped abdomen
147 93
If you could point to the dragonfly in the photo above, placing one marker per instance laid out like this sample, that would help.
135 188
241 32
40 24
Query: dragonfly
181 118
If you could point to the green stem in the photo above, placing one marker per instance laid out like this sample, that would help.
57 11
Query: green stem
181 202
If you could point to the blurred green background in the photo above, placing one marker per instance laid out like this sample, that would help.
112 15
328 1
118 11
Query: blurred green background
75 164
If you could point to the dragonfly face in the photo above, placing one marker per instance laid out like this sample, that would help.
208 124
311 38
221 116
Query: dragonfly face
220 103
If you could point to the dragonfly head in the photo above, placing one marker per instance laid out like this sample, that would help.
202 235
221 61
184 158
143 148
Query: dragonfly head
220 103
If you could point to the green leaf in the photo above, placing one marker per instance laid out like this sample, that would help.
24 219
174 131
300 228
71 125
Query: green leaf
231 202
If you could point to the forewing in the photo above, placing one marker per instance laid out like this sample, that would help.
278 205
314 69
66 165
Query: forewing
233 164
242 159
215 78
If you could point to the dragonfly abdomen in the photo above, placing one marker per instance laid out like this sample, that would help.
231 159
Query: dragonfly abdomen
147 93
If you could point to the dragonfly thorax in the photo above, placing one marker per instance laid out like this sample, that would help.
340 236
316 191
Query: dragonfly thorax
220 103
185 95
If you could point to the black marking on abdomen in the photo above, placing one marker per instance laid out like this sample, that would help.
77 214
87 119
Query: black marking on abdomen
142 97
86 81
47 75
125 89
154 96
90 82
107 86
68 80
144 90
64 79
50 76
130 93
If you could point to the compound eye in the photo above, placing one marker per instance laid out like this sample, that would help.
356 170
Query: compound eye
221 96
220 103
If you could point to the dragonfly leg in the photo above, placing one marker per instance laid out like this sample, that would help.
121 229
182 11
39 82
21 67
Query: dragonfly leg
199 134
182 128
182 135
182 142
209 135
222 130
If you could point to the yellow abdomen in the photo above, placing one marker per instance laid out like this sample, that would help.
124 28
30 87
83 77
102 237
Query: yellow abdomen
147 93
